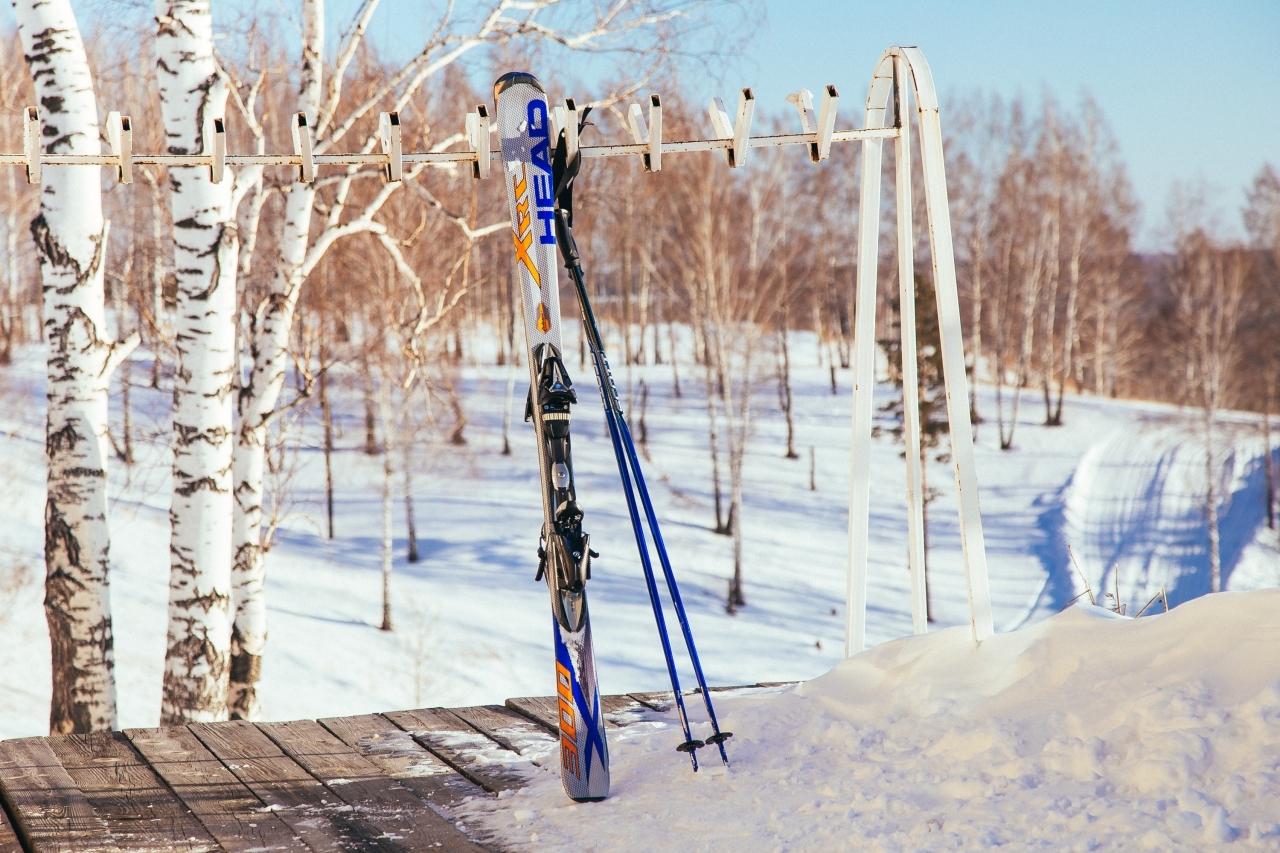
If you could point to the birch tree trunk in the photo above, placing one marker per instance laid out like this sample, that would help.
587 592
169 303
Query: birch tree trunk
70 236
268 338
206 248
388 473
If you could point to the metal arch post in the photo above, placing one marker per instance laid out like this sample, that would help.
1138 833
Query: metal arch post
942 251
864 361
910 366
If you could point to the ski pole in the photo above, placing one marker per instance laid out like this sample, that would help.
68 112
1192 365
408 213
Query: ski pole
624 450
605 380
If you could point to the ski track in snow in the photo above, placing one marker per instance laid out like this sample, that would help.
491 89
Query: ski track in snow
472 627
1085 732
1134 513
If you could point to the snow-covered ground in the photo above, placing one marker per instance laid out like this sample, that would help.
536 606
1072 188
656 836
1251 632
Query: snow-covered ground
1085 731
1117 483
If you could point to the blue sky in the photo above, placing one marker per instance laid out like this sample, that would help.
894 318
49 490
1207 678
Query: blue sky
1191 89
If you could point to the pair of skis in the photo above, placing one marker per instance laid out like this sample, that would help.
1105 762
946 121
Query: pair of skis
539 175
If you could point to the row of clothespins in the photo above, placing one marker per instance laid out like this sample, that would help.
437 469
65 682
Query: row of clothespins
478 130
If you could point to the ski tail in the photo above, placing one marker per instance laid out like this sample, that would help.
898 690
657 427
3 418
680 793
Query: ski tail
584 752
524 128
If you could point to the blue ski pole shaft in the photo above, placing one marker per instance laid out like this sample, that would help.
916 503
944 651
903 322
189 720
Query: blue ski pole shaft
625 451
616 428
672 587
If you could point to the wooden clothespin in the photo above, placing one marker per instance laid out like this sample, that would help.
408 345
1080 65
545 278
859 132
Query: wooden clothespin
302 148
120 137
822 125
389 134
739 131
650 134
215 145
31 144
478 140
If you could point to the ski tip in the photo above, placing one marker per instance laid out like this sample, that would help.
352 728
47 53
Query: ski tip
512 78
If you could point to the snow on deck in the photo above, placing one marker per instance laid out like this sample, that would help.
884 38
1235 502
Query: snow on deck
1085 731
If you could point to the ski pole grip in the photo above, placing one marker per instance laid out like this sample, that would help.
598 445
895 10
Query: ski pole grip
568 247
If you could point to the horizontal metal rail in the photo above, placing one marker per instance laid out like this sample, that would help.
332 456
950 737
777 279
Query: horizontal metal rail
628 149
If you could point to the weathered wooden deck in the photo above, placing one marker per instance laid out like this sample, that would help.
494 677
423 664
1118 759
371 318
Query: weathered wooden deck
379 782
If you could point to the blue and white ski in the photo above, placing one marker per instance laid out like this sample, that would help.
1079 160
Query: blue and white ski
524 128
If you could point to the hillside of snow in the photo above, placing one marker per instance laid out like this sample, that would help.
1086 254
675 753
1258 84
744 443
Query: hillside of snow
1118 483
1086 731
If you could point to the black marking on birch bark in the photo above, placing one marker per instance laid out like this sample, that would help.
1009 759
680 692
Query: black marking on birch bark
69 635
46 43
169 25
188 435
250 434
252 509
52 104
51 251
245 668
207 602
65 438
56 255
59 357
84 472
192 486
248 553
58 535
68 712
203 88
213 251
209 693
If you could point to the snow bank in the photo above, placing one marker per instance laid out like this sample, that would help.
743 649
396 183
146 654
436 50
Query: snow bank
1087 731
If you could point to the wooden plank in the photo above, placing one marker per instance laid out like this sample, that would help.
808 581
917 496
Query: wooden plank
543 710
664 700
475 756
512 731
237 819
661 701
51 813
8 836
398 755
139 811
295 796
378 799
619 711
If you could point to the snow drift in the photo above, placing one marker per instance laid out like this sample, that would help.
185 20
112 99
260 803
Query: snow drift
1087 731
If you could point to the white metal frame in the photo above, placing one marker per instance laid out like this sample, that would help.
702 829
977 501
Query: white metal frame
901 70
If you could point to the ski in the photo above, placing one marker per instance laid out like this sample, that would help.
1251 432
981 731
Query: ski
564 551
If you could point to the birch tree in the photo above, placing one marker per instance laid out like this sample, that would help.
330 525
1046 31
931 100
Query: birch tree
70 236
206 247
1208 284
637 26
978 150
